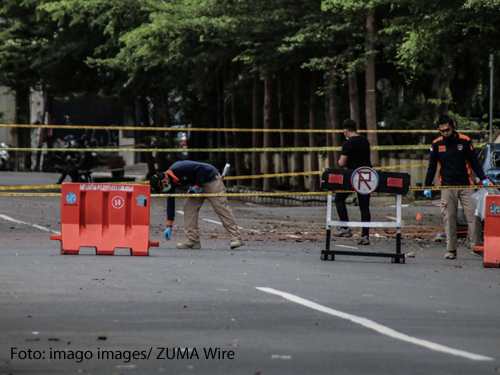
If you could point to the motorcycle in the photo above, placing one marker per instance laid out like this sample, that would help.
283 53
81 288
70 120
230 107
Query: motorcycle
4 158
58 160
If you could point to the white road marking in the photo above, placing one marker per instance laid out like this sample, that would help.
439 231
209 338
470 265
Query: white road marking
277 356
33 225
347 247
208 220
378 327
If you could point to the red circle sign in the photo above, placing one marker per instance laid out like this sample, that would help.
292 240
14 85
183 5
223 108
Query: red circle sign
117 202
364 180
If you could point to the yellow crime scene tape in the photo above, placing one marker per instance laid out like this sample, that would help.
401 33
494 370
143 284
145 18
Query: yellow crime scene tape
138 148
412 188
229 149
259 194
156 128
291 174
56 186
273 175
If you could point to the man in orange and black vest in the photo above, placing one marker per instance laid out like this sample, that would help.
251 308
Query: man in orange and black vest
456 158
201 177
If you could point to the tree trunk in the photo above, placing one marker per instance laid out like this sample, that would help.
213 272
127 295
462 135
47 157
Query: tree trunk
370 108
329 139
313 155
226 115
268 156
220 111
162 120
200 138
238 156
150 161
285 180
353 93
298 140
48 135
22 116
446 84
256 136
335 120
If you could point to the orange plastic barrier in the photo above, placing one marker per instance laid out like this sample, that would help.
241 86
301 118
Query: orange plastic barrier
106 217
491 248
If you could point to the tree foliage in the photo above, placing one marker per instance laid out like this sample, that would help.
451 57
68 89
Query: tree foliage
179 50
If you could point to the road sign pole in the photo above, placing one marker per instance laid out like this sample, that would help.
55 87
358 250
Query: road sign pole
491 97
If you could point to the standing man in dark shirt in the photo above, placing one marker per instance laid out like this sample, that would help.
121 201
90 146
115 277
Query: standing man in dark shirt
355 154
202 177
456 157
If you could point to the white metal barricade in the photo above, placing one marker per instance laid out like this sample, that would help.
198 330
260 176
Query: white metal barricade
396 257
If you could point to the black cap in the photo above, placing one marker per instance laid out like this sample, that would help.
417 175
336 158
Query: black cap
155 182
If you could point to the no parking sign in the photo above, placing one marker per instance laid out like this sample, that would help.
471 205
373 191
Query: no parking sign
364 180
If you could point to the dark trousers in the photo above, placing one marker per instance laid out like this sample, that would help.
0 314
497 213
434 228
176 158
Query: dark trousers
72 171
364 207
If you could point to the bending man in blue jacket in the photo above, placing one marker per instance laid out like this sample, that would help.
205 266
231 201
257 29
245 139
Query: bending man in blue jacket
201 177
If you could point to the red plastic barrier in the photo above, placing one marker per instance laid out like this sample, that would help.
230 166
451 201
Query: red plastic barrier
106 217
491 248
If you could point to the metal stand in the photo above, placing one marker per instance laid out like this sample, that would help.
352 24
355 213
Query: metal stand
396 257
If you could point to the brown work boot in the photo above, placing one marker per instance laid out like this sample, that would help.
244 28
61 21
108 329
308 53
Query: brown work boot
236 243
452 254
189 245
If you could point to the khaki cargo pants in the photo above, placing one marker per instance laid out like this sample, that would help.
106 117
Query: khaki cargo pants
220 206
449 211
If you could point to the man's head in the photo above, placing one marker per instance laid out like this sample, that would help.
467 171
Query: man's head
80 143
349 126
446 126
160 182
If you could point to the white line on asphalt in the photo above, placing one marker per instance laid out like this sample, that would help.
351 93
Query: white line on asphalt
33 225
378 327
209 220
345 246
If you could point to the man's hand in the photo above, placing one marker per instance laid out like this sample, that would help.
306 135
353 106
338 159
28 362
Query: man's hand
167 233
195 190
427 193
485 182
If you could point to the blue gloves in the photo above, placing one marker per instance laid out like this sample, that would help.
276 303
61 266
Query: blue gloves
167 233
427 193
194 190
486 182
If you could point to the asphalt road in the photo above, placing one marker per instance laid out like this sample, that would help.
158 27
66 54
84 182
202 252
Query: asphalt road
270 307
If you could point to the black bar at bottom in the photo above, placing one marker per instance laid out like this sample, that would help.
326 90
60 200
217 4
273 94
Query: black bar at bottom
328 234
330 254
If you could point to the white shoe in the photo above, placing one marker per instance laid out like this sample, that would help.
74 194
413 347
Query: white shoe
365 240
452 254
236 243
343 233
189 245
